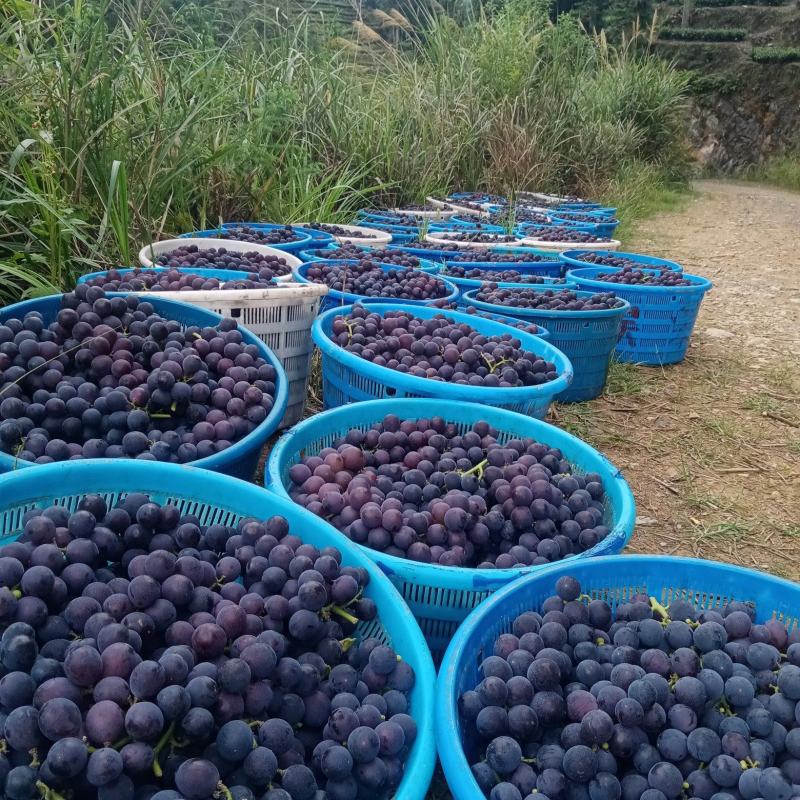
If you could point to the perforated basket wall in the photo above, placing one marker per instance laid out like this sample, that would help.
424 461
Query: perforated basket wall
217 499
614 579
347 378
587 338
657 328
441 597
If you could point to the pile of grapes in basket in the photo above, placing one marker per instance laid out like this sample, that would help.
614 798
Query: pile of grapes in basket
146 654
110 378
150 280
640 703
421 490
221 258
367 279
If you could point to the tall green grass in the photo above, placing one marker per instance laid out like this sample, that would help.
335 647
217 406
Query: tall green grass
124 122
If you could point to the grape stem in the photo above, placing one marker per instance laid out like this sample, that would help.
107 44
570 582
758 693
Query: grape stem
47 793
477 468
347 643
167 735
223 791
121 743
660 610
342 613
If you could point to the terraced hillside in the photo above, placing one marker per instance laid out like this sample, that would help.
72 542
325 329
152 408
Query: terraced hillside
745 68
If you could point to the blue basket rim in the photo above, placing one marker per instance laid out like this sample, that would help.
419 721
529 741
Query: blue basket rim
233 494
388 227
305 238
585 227
573 257
700 285
549 282
538 312
311 255
450 750
451 390
519 266
458 577
237 449
542 331
601 217
204 272
347 297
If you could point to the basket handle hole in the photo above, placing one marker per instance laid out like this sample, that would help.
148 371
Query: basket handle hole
390 392
236 313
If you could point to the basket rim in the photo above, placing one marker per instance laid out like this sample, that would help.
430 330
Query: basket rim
573 257
267 226
347 297
700 285
436 574
238 449
452 391
311 255
441 237
156 248
535 312
234 494
450 749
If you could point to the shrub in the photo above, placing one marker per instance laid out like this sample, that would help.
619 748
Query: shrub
725 3
720 83
703 34
775 55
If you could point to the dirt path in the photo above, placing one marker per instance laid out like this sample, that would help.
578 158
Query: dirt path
712 446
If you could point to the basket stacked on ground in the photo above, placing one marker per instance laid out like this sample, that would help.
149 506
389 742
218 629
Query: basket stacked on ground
217 499
658 326
241 458
337 299
614 579
587 338
320 254
304 238
399 233
529 239
280 317
441 597
150 252
467 284
348 378
574 258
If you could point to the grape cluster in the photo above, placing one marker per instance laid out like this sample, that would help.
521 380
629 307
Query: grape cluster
221 258
439 349
575 216
367 279
337 230
547 300
421 490
520 215
397 218
560 233
149 656
150 280
527 327
354 252
422 244
479 236
612 260
110 378
502 257
266 236
648 703
633 276
479 197
495 276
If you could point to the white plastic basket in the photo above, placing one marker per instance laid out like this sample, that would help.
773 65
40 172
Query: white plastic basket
560 247
281 318
151 251
437 213
457 209
442 237
367 237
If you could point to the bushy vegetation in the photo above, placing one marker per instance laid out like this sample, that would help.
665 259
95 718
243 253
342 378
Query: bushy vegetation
123 122
724 3
721 83
783 171
703 34
775 55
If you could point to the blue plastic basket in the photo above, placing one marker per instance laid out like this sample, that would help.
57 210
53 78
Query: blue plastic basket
221 274
466 284
305 240
217 499
241 458
709 584
319 254
441 597
587 338
465 224
422 252
657 328
600 228
336 299
573 258
347 378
